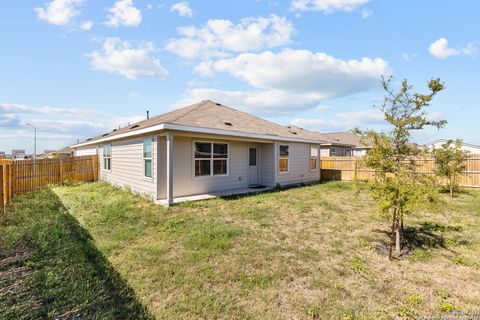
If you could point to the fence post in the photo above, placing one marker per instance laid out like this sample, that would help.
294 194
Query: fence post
9 181
93 168
355 170
2 196
4 186
61 171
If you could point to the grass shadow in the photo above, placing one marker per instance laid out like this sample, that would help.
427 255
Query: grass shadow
64 275
273 190
428 235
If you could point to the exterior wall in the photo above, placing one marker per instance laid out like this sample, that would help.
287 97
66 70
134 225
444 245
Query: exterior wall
184 181
267 164
468 148
359 152
127 167
86 151
298 165
341 151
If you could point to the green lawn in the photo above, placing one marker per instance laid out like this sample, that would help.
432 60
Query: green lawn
93 251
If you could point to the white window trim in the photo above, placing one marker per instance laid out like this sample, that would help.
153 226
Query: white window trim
349 151
278 158
151 157
110 157
333 152
211 175
310 158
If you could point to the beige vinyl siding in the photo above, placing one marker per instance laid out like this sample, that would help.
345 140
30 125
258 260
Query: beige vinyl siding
267 164
86 151
299 165
184 181
127 166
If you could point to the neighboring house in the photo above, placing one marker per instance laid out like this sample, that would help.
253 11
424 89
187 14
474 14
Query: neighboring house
472 148
202 149
18 154
340 144
54 154
2 155
345 144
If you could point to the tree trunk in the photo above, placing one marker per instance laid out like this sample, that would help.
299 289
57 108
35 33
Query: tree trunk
392 235
451 187
398 245
401 229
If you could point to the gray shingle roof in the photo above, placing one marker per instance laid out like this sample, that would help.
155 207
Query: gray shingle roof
211 115
340 138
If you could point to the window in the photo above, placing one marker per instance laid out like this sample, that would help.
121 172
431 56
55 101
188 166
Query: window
147 157
313 157
210 159
252 155
333 151
348 152
107 157
283 152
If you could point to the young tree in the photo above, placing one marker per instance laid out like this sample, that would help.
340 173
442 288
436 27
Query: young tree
398 188
450 163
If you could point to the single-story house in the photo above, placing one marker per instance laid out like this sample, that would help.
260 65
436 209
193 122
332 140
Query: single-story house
339 144
471 148
203 149
55 154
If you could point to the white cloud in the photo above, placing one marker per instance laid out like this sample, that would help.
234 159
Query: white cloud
301 71
342 121
366 13
471 49
119 57
124 13
322 107
440 49
78 123
20 108
8 120
219 37
259 102
59 12
183 9
327 6
408 57
86 25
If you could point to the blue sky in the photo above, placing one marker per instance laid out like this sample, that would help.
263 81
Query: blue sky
75 68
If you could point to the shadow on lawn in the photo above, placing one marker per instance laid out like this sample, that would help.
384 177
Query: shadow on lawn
268 191
66 276
427 235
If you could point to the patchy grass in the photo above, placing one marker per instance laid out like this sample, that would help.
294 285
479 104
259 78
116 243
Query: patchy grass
316 252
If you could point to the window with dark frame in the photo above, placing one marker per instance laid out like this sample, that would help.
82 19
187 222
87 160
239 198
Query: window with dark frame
211 159
252 155
283 155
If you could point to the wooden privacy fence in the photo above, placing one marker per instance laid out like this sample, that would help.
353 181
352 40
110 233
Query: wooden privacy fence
23 176
350 168
5 183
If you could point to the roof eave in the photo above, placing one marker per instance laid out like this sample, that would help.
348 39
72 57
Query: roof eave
178 127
